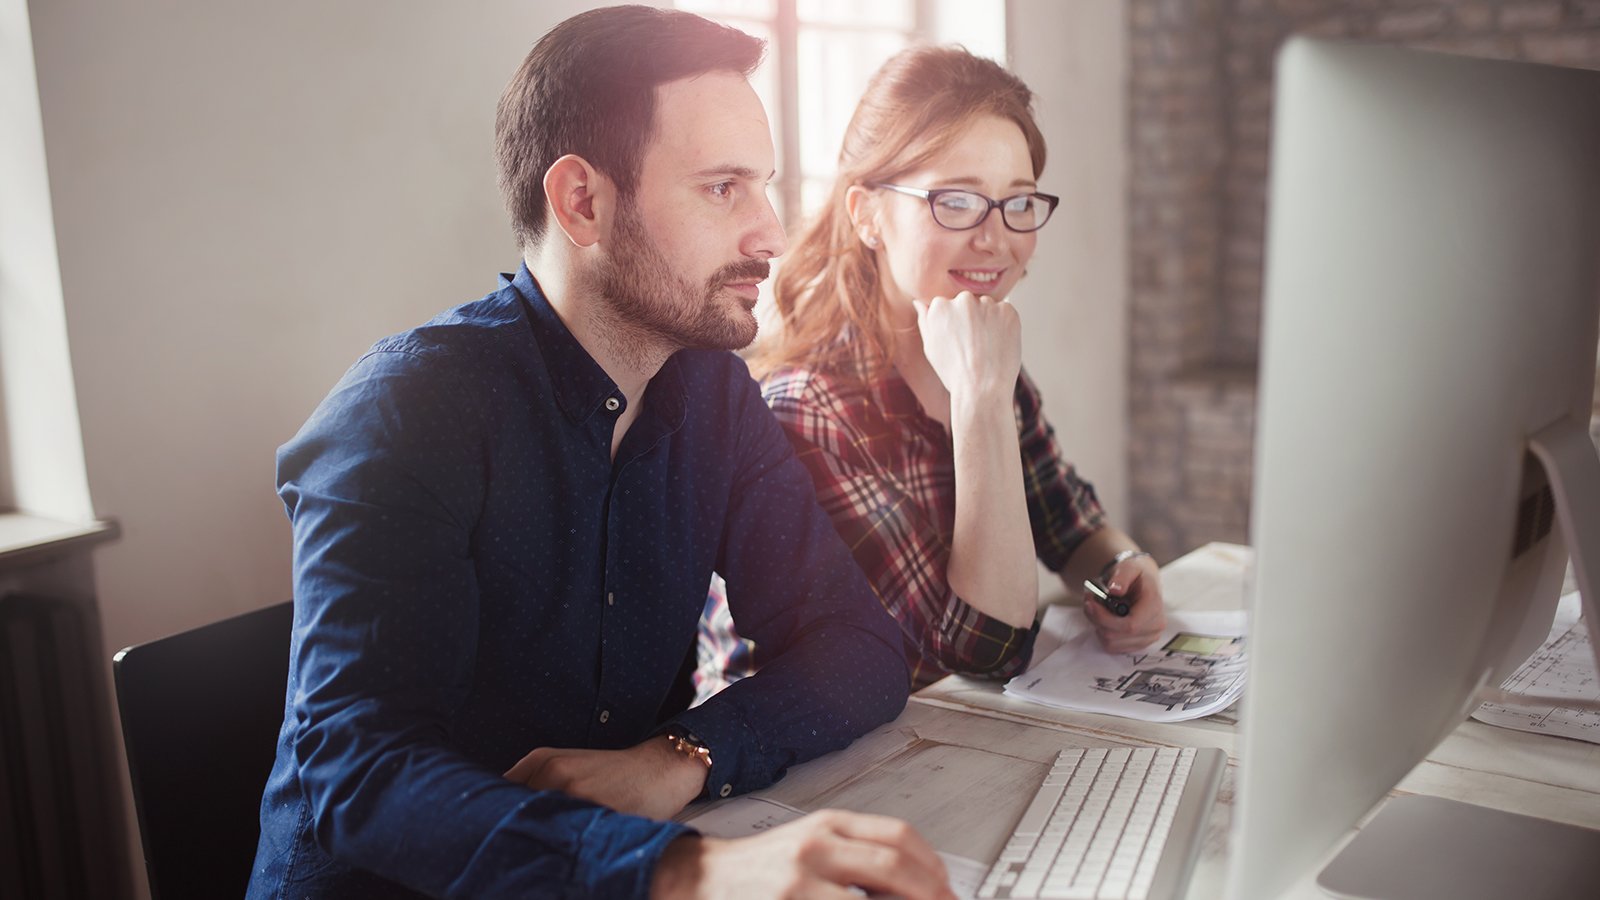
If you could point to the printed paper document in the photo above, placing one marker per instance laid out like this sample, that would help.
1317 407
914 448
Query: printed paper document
1563 666
1194 669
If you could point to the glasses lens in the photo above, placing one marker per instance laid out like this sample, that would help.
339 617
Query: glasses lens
1025 212
959 209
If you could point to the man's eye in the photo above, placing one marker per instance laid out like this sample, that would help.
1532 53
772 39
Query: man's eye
722 189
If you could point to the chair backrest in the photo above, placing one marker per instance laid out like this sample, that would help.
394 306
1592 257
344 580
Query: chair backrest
200 718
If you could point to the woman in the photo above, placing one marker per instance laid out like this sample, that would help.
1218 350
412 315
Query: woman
897 375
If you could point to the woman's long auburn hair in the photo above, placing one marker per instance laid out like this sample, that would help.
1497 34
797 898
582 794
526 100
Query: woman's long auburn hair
916 105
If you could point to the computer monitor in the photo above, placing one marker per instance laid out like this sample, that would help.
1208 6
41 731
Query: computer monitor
1429 353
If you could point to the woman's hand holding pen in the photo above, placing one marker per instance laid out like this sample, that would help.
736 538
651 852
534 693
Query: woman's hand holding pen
1137 581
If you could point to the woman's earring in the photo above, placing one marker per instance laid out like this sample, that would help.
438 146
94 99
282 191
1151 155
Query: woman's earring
871 240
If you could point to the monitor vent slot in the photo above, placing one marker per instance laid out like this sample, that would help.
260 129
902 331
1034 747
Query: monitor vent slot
1536 515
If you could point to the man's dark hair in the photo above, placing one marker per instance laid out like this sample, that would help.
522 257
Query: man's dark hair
588 87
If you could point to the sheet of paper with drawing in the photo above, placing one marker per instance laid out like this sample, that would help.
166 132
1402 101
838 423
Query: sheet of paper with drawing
1196 668
1563 666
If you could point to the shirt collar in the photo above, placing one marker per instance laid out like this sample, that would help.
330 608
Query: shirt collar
581 386
668 397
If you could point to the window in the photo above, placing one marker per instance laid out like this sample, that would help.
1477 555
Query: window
820 54
41 445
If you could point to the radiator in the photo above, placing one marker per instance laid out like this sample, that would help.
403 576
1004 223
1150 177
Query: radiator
56 821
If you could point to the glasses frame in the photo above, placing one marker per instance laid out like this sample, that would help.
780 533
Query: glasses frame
932 197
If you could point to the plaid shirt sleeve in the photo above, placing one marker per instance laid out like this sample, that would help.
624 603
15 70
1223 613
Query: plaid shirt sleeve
1062 508
897 542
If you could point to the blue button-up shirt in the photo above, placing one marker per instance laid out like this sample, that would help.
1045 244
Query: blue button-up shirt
475 577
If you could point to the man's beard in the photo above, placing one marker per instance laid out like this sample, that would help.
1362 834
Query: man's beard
647 295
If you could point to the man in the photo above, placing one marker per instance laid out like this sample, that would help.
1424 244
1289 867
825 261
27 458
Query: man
505 522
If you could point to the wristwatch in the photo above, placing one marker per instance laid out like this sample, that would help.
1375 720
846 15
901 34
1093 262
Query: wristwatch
689 745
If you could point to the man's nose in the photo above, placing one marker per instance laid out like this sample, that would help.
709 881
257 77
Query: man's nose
765 238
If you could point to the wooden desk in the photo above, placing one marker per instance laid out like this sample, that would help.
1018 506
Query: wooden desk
963 760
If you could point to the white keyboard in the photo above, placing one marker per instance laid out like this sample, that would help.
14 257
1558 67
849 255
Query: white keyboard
1111 823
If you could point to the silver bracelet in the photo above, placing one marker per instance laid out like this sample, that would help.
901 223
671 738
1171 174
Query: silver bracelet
1121 557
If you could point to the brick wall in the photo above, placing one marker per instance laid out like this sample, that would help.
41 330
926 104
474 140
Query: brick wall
1200 110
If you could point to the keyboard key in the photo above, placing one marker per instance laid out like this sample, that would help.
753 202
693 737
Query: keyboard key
1072 894
1039 810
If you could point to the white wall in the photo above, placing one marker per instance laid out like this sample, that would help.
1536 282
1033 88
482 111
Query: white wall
247 195
1074 302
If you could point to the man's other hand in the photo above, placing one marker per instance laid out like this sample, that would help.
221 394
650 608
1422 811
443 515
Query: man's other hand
825 854
649 779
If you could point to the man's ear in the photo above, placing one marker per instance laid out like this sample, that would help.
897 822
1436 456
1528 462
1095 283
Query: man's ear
578 198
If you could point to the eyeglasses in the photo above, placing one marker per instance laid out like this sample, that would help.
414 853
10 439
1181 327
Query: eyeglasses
961 210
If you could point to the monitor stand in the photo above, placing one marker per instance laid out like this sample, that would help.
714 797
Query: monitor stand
1421 848
1571 463
1424 848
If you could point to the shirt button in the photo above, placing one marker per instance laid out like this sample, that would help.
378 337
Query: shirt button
611 599
612 404
605 716
726 790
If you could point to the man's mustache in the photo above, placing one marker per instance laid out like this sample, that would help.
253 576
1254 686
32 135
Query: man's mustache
742 270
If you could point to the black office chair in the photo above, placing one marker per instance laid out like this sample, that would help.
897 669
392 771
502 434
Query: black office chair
200 716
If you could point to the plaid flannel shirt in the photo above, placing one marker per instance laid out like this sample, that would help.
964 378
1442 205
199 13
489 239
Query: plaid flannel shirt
885 473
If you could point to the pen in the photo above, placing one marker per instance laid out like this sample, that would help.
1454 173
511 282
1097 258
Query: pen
1117 605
